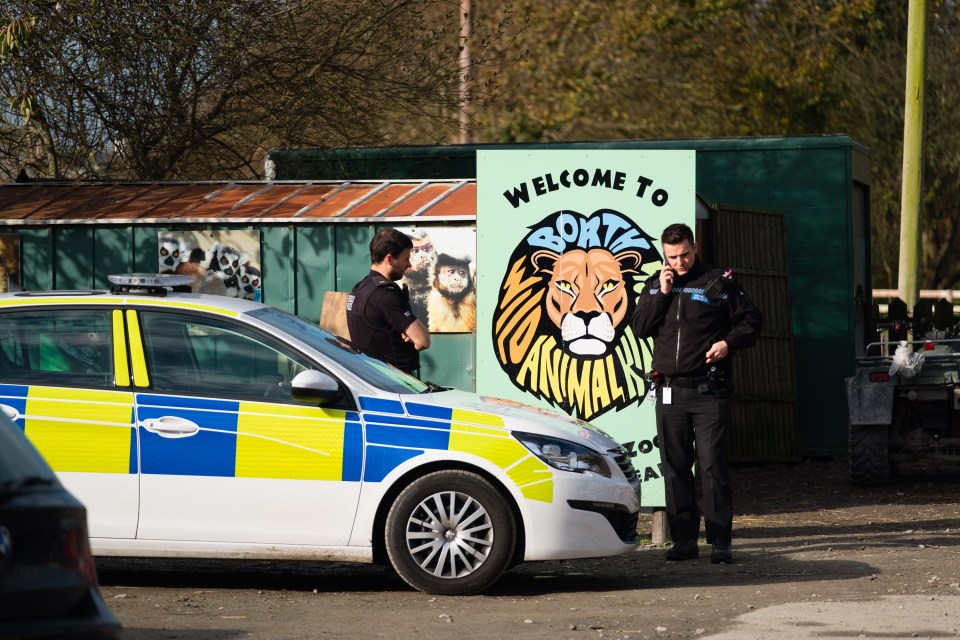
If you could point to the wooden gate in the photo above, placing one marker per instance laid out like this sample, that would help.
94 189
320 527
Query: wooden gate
763 421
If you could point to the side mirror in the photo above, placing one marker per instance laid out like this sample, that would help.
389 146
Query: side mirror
314 386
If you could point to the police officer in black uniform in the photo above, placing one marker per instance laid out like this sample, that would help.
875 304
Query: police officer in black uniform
698 316
379 317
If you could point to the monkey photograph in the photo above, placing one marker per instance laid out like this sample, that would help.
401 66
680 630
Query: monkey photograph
441 278
419 277
452 302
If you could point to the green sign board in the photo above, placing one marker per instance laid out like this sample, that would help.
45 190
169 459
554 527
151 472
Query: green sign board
565 241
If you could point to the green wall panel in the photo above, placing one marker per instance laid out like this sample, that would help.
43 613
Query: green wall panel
450 361
36 257
278 281
73 267
112 253
353 253
316 264
145 248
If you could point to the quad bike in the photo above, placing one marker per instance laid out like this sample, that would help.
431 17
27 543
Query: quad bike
906 407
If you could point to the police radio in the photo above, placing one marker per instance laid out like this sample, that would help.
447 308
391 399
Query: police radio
715 286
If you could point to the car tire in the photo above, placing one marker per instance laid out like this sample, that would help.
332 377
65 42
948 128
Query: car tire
869 454
450 533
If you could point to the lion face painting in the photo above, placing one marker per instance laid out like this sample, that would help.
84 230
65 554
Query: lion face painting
587 296
561 326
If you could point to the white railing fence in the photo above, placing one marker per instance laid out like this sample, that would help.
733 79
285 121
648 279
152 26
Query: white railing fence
953 295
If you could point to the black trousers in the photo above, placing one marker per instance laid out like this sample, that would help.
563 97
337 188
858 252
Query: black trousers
693 427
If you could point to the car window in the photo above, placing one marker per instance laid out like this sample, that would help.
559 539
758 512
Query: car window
371 370
57 347
190 354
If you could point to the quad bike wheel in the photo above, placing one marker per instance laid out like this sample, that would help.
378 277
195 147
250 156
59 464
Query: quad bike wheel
869 454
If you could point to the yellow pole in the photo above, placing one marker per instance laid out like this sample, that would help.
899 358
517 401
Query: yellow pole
912 190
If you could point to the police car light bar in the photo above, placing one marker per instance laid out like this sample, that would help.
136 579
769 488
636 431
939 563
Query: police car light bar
148 283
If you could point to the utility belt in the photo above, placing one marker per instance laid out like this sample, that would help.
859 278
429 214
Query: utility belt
715 382
690 383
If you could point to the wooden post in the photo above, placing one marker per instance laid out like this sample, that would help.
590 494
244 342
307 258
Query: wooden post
661 531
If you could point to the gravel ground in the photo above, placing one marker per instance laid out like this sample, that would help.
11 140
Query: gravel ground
814 558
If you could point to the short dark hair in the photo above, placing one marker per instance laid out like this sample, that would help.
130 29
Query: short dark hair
676 234
388 242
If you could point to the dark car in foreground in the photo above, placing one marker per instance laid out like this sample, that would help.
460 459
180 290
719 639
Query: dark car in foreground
48 581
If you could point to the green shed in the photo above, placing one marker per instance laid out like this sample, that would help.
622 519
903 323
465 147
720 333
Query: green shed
313 236
820 185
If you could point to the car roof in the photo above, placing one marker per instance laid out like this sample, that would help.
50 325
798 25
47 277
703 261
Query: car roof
196 301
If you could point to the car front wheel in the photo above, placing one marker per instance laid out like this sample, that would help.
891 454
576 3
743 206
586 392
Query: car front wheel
450 533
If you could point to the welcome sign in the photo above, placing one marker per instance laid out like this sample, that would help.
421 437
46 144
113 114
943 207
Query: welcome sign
566 240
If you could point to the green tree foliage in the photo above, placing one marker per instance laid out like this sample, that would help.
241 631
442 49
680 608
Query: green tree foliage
655 69
15 36
170 89
201 89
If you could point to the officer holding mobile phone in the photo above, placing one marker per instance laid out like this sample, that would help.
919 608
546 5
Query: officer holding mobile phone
698 316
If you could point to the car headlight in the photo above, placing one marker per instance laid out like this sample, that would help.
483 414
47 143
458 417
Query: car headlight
563 454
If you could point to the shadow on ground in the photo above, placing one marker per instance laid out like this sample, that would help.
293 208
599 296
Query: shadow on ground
640 570
783 511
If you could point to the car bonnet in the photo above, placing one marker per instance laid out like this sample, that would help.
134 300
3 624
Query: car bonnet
512 415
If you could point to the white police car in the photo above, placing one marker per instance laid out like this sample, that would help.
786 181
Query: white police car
205 426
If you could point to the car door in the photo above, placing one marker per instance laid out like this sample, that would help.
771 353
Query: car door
65 380
226 454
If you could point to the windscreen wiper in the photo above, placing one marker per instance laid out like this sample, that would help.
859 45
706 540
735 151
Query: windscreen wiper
433 387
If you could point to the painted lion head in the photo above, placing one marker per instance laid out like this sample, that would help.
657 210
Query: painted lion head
561 325
587 297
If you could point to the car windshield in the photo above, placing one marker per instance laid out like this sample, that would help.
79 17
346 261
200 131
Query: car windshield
371 370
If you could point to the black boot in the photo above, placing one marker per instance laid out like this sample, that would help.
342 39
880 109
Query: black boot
722 552
683 550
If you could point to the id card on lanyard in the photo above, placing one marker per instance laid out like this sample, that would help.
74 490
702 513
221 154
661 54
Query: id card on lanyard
666 396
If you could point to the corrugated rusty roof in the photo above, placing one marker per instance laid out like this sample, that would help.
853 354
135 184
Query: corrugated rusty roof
48 203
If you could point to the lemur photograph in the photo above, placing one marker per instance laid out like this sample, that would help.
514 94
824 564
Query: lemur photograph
225 263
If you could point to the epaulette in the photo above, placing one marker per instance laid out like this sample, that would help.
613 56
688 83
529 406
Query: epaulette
715 270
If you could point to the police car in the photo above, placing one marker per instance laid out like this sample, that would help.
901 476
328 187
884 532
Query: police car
205 426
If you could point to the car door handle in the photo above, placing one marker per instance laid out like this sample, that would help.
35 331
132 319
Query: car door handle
11 412
171 427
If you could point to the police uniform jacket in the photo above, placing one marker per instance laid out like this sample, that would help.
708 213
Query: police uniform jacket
378 311
685 324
